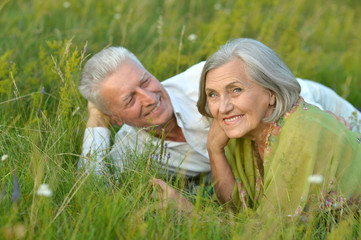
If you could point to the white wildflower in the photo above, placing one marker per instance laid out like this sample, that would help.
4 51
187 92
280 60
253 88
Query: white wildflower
227 11
117 16
44 190
4 157
118 8
217 6
66 4
192 37
317 179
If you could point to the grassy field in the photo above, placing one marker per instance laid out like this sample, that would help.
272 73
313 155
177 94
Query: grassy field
43 45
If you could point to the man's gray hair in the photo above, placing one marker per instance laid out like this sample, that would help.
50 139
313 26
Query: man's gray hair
263 66
97 68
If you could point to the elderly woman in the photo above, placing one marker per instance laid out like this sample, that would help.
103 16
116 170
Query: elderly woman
269 149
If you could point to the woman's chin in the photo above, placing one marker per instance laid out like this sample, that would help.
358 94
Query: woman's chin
234 134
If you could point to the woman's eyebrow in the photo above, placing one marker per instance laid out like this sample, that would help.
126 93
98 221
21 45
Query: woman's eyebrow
209 89
231 84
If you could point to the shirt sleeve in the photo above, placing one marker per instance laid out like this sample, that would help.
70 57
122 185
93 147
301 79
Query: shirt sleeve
96 143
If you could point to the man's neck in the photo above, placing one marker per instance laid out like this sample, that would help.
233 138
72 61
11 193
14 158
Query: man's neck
170 131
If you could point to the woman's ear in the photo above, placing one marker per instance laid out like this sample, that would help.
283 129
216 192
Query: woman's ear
272 98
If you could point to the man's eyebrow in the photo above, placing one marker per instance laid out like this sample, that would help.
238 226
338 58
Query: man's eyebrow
142 77
130 94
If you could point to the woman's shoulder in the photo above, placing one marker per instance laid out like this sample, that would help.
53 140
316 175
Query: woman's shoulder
309 122
305 115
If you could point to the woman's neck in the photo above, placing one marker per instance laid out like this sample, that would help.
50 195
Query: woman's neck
259 137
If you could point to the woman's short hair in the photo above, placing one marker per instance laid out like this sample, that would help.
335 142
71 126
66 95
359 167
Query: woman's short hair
263 66
97 68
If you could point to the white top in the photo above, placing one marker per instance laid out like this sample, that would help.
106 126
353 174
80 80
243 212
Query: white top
190 158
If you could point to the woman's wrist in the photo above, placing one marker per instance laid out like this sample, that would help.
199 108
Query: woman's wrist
216 152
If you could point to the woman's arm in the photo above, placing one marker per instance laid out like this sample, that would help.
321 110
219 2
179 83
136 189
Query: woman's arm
222 175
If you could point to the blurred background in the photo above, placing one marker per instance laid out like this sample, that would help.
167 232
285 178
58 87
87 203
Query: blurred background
43 45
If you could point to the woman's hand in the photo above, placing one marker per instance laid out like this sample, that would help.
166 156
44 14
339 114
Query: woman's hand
217 138
222 174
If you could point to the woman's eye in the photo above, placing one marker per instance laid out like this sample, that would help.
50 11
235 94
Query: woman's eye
211 95
237 90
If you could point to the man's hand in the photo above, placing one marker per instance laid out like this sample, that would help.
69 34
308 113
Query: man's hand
97 118
165 194
340 119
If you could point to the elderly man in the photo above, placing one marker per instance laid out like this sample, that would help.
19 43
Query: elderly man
162 115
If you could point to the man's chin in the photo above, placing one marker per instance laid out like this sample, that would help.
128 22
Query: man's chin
148 126
154 126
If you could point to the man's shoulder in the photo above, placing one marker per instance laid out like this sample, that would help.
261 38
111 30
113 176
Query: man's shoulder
191 76
184 87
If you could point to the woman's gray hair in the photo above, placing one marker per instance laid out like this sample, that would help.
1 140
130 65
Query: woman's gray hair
97 68
263 66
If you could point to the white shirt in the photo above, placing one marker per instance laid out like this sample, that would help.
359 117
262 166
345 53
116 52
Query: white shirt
191 157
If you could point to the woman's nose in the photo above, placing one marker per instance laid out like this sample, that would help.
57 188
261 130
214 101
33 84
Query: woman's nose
225 105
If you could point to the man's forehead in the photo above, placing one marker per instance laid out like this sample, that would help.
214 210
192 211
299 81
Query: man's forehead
124 78
135 70
130 65
127 71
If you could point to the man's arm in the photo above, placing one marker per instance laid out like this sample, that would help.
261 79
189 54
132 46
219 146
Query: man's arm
96 117
96 140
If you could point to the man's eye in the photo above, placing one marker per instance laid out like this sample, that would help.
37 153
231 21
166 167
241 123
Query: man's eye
145 82
130 100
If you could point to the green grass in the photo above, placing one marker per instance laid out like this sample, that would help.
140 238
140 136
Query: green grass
43 45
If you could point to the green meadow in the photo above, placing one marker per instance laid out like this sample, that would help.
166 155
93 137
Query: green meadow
43 46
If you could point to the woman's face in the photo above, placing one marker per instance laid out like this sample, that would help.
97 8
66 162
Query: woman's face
236 102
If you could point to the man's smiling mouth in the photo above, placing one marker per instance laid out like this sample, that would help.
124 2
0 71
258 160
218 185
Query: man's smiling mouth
154 109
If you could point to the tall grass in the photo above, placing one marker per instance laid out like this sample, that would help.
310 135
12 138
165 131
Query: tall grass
43 45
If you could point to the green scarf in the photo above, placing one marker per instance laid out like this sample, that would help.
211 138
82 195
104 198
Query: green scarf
309 157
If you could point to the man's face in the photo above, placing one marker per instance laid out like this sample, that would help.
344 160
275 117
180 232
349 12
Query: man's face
135 97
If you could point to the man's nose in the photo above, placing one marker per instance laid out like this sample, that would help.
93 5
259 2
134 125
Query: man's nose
225 105
147 97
